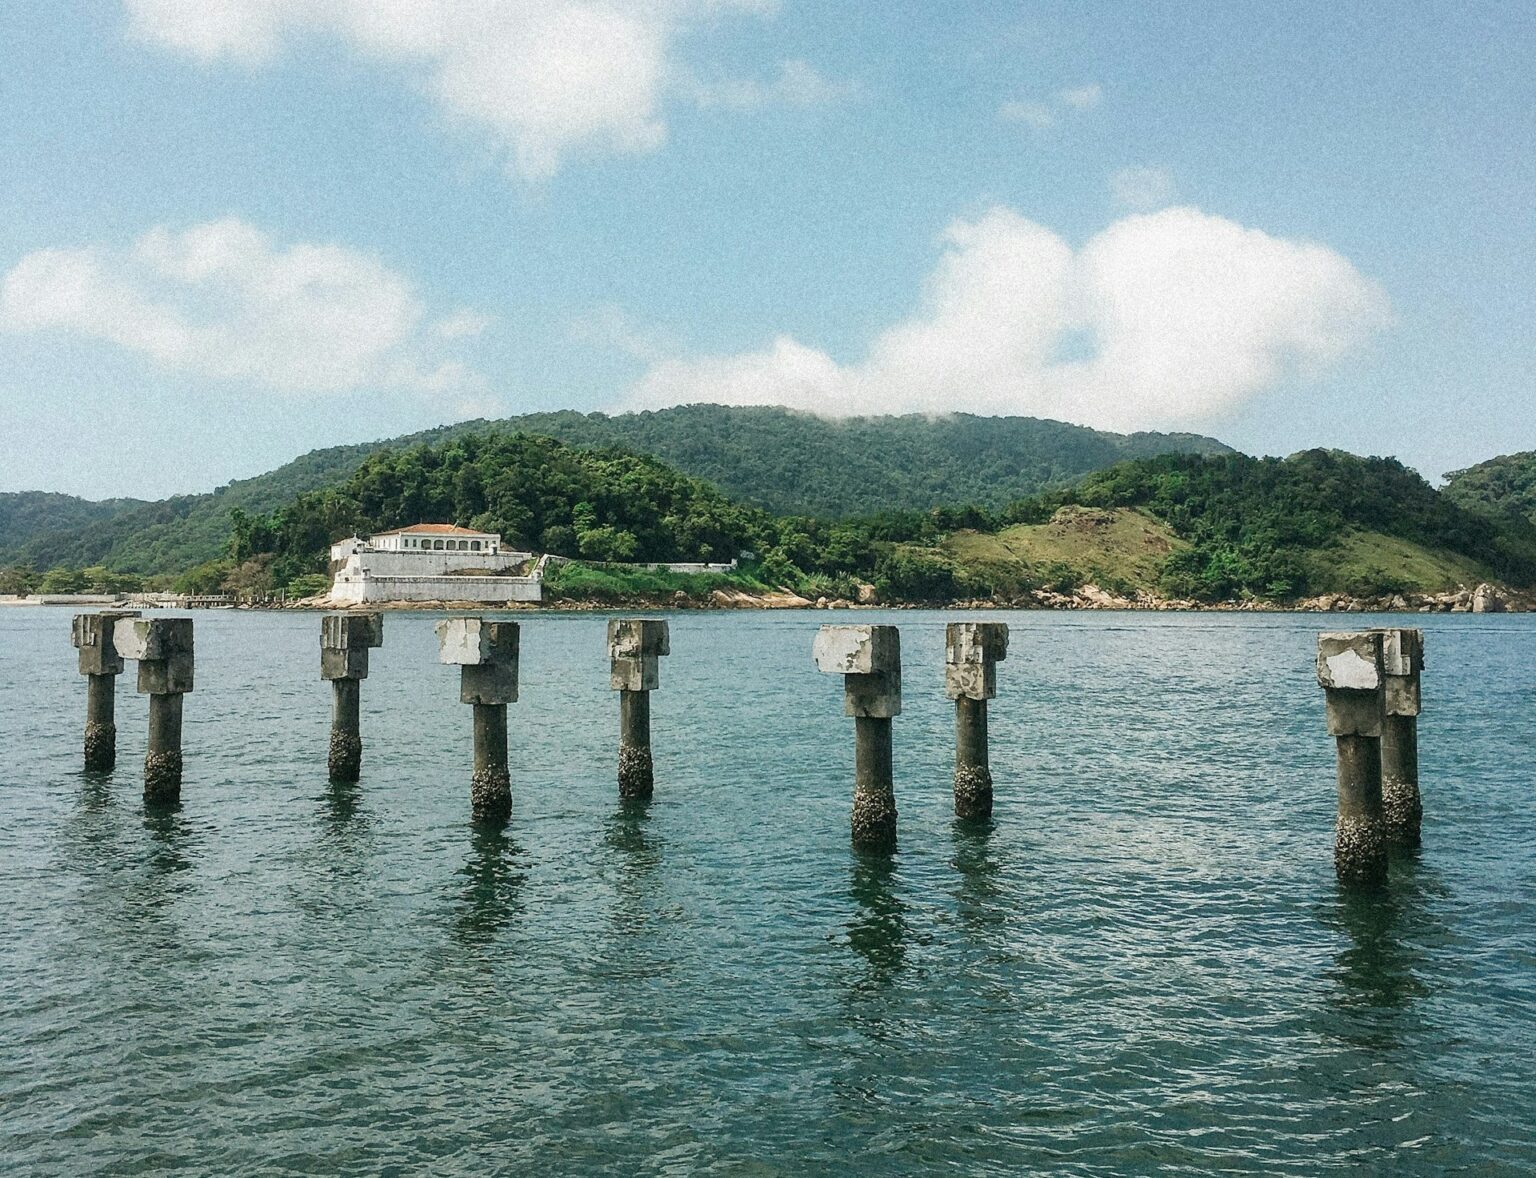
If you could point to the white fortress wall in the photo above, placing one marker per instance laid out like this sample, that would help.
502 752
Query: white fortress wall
427 564
422 588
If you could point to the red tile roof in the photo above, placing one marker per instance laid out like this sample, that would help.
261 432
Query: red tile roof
434 530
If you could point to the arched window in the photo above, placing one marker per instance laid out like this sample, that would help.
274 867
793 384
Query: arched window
436 544
474 545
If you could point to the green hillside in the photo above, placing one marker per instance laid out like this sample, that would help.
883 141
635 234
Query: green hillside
1213 528
772 458
25 514
1501 486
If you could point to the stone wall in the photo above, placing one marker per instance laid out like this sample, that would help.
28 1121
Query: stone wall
486 589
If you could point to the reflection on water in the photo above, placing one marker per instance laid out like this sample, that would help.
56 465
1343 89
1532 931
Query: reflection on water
492 893
878 930
1144 964
977 873
1378 971
171 837
638 848
95 792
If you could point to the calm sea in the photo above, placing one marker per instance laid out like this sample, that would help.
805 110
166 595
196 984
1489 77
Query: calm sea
1142 964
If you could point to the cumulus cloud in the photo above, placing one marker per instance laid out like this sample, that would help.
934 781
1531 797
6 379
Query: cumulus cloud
223 300
1081 97
1034 114
798 84
1186 315
545 78
1143 189
1041 115
462 324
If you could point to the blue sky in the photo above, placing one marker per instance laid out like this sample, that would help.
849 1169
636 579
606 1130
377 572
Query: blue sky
237 231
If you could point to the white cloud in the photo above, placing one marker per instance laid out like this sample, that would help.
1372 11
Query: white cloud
1188 314
1143 189
463 324
222 300
1042 115
1081 97
1035 114
798 84
546 79
609 326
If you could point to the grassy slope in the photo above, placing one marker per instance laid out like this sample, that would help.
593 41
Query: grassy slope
1123 549
1118 548
1363 557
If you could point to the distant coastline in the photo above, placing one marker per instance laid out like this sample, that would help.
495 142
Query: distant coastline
1483 599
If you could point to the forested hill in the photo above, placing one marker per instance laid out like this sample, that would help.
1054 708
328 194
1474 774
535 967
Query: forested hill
798 464
24 514
1210 527
772 458
1503 485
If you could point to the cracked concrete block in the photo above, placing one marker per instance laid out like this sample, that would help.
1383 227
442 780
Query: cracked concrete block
473 642
971 654
1349 668
163 649
488 683
638 637
857 650
92 634
638 673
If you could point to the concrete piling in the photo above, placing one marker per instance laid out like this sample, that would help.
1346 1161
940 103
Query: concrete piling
163 649
635 647
486 654
101 665
345 640
869 659
972 651
1402 807
1350 669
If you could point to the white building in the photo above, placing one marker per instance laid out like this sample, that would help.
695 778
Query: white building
430 562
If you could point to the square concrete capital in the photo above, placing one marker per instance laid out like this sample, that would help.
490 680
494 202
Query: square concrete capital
1350 661
350 631
637 637
1402 652
92 635
877 695
635 673
168 676
971 654
858 650
163 650
1349 669
152 638
472 642
975 642
488 683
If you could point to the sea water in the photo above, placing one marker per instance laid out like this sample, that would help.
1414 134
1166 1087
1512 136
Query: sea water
1142 963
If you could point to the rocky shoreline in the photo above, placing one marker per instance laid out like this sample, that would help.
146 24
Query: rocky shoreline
1484 599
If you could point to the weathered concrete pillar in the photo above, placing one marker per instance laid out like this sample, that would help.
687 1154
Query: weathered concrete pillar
486 654
163 649
344 643
972 651
1403 809
101 665
869 659
1350 671
635 648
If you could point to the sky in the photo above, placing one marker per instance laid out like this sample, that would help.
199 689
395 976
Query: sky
232 231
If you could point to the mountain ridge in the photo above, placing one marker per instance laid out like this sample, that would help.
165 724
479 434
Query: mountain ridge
778 459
